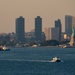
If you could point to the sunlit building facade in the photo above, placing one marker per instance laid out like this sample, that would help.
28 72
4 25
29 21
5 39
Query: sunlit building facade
47 32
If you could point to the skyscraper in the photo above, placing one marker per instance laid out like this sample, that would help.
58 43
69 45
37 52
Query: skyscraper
69 25
20 33
58 25
38 29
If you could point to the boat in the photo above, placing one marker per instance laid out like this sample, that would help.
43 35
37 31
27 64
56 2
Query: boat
56 59
34 46
4 48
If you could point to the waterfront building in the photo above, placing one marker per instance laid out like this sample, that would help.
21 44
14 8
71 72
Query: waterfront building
55 34
38 29
69 24
20 33
65 36
58 25
47 33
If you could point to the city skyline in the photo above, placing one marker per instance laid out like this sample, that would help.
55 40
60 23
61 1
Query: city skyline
48 10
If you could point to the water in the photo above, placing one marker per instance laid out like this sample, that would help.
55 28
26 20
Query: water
36 61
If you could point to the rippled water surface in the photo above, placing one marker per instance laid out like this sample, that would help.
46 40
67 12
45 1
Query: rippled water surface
36 61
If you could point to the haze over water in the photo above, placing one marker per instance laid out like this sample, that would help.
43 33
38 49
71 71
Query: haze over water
49 10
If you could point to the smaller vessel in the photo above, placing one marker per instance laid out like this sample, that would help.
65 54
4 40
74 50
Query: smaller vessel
56 59
34 46
4 48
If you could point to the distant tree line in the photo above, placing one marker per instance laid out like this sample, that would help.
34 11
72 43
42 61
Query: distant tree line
54 43
6 40
50 43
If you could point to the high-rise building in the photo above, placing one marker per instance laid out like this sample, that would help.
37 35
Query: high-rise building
55 34
38 29
58 25
47 32
69 24
20 33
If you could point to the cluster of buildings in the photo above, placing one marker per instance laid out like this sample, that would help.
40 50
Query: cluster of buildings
54 33
37 35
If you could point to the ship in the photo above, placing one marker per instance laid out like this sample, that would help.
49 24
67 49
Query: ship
4 48
56 59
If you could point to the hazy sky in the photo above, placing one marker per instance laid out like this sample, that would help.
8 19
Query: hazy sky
49 10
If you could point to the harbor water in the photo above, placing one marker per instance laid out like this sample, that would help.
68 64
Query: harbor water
36 61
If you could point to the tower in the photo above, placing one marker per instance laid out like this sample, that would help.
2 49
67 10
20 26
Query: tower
38 29
58 25
20 33
68 25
